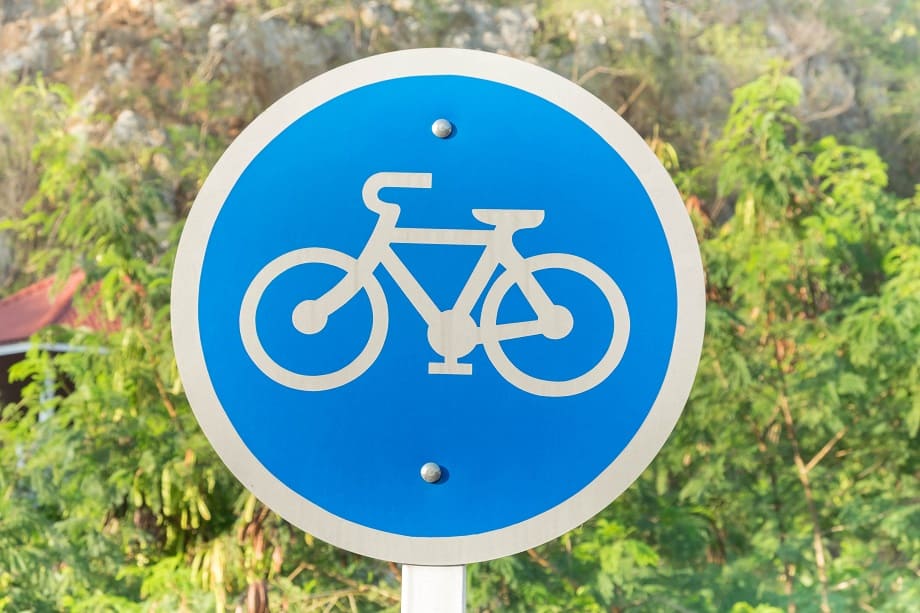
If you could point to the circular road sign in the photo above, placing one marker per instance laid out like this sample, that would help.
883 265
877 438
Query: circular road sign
438 306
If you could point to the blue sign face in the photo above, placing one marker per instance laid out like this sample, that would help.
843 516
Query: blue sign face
439 268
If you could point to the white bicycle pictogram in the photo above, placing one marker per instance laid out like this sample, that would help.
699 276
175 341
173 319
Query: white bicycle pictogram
453 333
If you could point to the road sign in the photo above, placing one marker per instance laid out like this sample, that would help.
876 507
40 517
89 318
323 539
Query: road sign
438 306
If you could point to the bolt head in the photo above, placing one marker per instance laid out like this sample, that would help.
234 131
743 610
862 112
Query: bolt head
431 472
442 128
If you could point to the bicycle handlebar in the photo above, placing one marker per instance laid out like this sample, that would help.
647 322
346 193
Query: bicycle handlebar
381 180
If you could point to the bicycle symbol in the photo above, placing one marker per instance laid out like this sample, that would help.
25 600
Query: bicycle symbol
453 333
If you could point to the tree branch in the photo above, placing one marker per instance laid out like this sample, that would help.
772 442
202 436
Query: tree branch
543 562
613 72
356 587
835 110
825 450
817 539
633 97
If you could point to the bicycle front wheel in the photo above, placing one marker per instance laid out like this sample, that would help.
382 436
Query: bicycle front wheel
312 382
596 374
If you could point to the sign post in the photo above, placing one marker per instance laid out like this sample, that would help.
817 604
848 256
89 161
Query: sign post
438 306
433 589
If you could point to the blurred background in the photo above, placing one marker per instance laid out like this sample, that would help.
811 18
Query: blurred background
792 129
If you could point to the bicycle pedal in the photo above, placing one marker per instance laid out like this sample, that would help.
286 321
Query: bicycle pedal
447 368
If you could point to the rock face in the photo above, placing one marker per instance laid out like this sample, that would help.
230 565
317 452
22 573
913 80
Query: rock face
279 48
133 59
35 42
275 50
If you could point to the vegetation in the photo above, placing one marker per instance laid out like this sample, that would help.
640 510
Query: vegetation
790 483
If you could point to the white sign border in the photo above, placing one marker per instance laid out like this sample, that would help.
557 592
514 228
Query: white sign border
440 551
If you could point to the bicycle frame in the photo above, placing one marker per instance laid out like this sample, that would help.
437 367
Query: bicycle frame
499 250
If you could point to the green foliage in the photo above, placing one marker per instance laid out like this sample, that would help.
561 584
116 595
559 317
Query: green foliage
790 480
112 499
813 339
884 41
28 113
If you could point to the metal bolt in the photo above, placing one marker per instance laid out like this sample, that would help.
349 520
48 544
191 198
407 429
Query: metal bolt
442 128
431 472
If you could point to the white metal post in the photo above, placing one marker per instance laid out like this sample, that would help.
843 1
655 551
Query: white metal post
433 589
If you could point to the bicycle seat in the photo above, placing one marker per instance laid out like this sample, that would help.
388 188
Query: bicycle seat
513 218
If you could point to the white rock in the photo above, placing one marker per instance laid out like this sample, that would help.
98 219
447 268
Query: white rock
196 15
481 25
116 72
89 104
218 35
127 128
164 16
